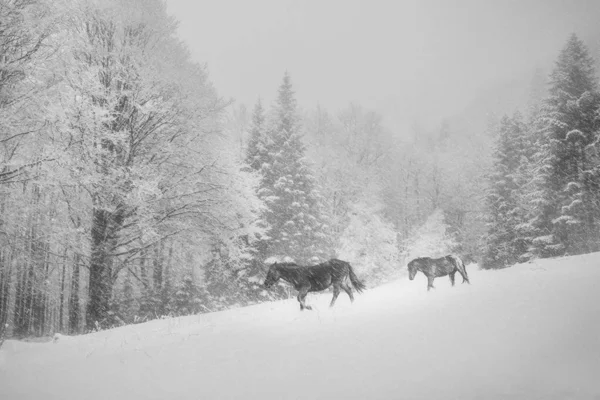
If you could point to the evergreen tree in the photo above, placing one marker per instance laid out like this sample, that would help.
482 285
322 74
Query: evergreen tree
228 284
504 242
256 152
537 94
257 158
566 214
188 297
298 227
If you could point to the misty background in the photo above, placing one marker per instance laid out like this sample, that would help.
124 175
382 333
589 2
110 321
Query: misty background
159 160
158 156
412 61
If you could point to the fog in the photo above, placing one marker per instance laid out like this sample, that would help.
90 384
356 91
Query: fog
147 227
409 60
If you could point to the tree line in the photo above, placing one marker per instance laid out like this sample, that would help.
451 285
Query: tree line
130 190
544 197
114 167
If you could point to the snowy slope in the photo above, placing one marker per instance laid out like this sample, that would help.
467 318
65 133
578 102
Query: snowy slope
528 332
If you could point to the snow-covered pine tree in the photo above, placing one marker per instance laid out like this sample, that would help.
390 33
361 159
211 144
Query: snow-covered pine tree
566 214
537 94
528 175
298 224
251 275
256 151
188 297
258 158
504 244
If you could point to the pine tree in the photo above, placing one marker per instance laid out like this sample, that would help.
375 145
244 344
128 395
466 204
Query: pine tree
537 94
257 158
566 214
256 151
188 297
504 242
298 227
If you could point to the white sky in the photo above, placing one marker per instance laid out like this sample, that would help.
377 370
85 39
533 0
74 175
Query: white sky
427 58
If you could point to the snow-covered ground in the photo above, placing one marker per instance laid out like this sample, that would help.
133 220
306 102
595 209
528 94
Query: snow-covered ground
527 332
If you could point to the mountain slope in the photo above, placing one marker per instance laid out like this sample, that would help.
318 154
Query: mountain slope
528 332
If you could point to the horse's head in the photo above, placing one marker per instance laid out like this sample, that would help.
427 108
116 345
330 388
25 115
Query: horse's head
272 276
413 268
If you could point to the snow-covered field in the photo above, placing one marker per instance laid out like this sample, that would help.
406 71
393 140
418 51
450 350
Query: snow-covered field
528 332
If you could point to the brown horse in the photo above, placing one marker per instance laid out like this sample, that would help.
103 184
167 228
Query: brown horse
316 278
436 267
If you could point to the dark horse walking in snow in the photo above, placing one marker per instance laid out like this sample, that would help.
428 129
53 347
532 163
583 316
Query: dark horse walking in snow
436 267
316 278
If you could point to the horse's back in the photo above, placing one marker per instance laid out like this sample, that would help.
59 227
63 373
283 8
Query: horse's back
436 267
337 263
327 273
447 265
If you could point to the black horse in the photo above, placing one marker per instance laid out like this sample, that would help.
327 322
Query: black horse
436 267
316 278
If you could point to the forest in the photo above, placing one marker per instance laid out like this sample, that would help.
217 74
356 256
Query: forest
130 190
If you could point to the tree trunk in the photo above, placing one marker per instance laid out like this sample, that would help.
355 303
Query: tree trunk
12 296
4 282
61 304
168 266
74 305
44 322
31 296
100 283
157 265
143 271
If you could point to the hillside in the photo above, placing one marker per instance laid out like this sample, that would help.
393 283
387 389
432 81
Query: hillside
527 332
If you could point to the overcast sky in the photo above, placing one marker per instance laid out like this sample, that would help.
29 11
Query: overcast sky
404 58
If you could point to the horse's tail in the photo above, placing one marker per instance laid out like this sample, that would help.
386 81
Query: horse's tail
460 266
358 285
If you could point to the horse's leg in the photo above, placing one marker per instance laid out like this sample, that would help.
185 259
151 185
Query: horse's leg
451 275
462 270
301 301
348 290
336 293
465 277
302 298
430 282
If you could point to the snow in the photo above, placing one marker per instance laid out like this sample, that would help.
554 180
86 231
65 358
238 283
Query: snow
527 332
